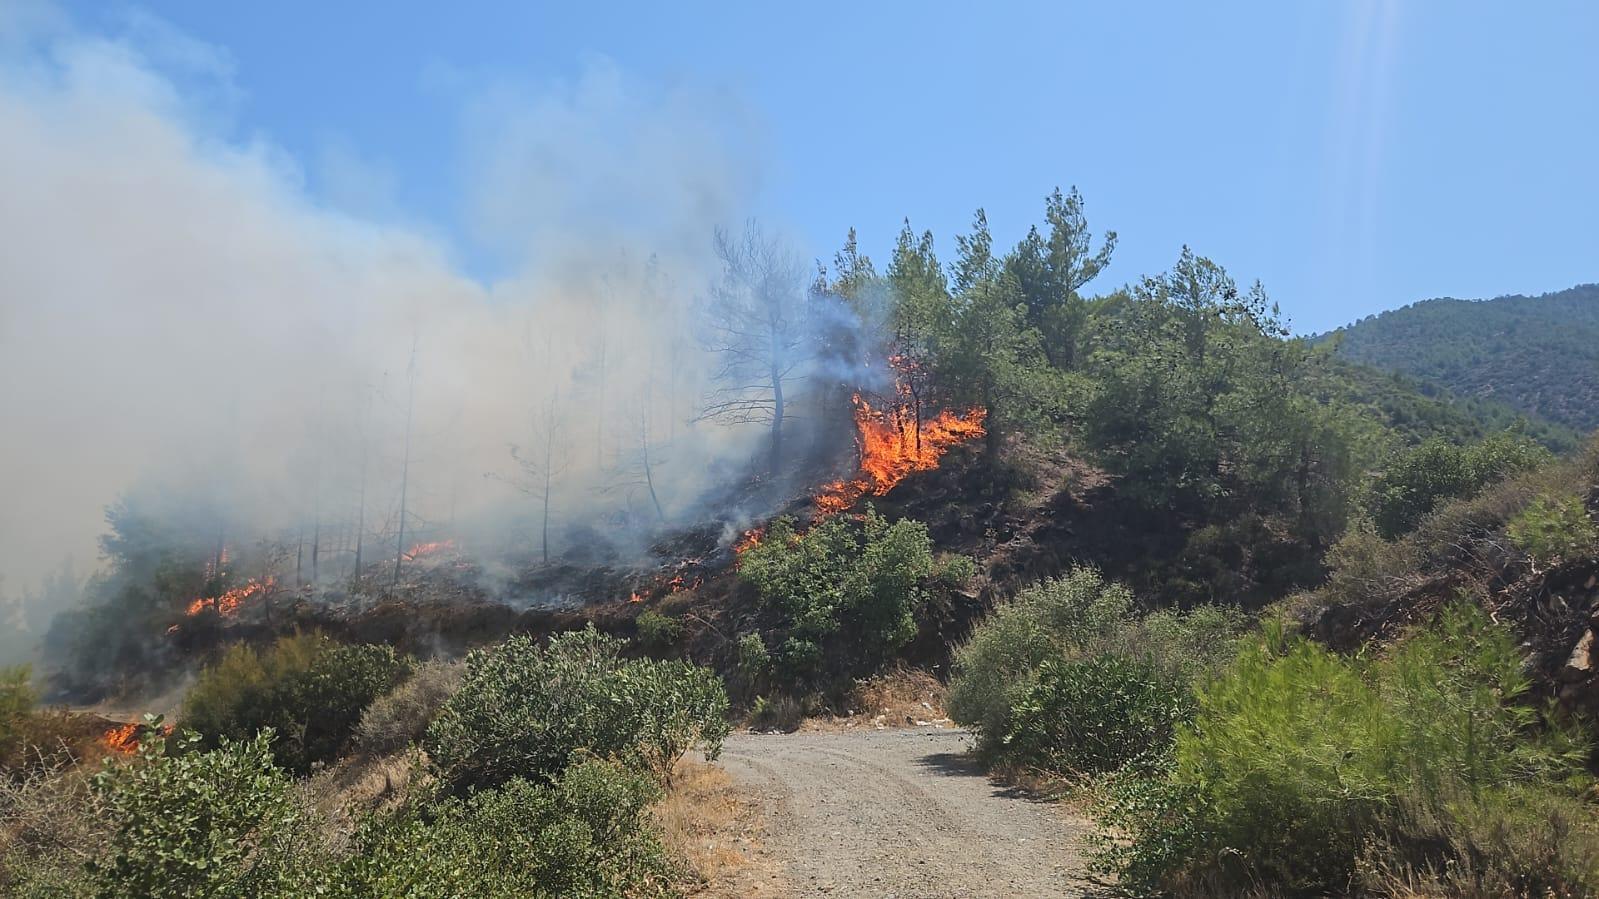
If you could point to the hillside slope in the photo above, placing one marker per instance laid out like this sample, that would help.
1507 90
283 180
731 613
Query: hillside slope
1539 355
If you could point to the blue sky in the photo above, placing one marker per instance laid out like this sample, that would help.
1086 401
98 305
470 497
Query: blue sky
1354 156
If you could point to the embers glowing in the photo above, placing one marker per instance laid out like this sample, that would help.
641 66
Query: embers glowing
227 605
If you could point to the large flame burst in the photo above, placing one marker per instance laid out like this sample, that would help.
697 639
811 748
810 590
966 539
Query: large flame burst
893 444
228 603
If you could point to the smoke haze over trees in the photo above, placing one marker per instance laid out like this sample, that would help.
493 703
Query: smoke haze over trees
179 312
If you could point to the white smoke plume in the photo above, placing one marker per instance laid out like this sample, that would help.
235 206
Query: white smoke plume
177 308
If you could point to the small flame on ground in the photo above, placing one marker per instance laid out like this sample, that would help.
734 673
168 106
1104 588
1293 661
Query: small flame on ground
751 538
125 739
424 549
228 603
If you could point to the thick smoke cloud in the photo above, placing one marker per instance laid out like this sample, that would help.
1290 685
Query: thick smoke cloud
176 309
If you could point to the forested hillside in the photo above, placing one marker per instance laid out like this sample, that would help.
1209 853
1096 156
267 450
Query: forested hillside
1538 355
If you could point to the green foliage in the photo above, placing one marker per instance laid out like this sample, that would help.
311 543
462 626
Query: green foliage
753 660
658 631
308 689
1417 480
1553 529
1095 714
401 716
586 834
528 711
1538 354
218 824
1067 677
1198 401
1297 757
954 570
861 586
1053 619
17 698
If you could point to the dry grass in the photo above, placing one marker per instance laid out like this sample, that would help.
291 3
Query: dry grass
361 784
713 827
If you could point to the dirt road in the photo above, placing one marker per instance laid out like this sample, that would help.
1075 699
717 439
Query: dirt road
900 813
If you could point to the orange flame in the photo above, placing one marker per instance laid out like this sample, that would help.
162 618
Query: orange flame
893 446
125 739
423 549
751 538
228 603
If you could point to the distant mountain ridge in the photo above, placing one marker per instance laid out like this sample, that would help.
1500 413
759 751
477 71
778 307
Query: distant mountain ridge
1538 355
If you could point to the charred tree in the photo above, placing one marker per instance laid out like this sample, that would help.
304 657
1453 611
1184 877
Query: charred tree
758 325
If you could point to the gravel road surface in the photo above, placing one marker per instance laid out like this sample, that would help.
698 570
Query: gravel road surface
901 813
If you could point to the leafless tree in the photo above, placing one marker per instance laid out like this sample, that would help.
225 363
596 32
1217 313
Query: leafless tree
542 462
757 324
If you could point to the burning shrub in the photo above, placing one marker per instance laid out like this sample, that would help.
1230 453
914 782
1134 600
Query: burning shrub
865 584
310 690
219 823
401 716
527 711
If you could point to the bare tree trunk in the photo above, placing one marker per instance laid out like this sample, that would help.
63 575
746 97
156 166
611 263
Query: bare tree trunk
405 465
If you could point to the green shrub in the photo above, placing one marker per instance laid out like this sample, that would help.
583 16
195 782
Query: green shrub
586 834
753 658
308 689
1297 758
1418 480
955 570
658 631
527 711
401 716
202 824
862 588
1095 715
17 698
1554 529
1051 620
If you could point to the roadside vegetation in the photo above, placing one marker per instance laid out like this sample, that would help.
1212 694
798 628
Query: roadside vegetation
1307 632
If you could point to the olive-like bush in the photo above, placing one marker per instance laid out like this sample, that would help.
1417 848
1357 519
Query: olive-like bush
310 690
588 833
525 710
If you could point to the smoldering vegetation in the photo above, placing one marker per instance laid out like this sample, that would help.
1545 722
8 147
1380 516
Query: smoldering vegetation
280 399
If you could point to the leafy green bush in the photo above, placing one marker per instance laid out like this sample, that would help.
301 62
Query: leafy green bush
1554 529
215 824
955 570
528 711
1067 677
401 716
1297 758
586 834
658 631
864 588
17 698
1418 480
753 660
310 690
1052 619
1095 715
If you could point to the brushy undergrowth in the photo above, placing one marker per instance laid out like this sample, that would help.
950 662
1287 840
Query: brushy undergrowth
525 710
1066 677
1312 773
401 717
310 690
